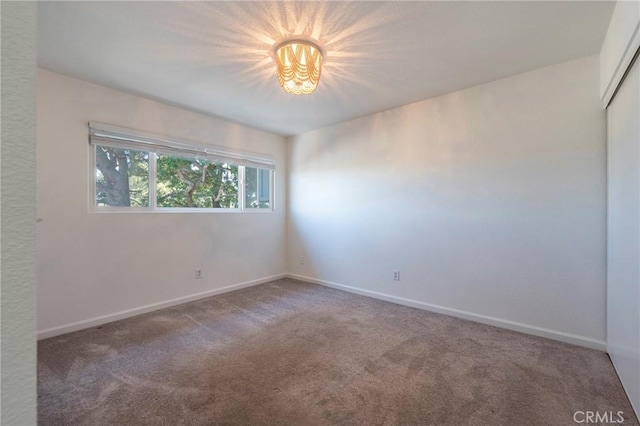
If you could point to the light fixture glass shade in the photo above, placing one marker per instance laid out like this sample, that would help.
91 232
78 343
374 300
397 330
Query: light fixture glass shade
299 66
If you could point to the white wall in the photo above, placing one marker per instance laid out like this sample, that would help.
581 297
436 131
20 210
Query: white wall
99 264
623 205
623 283
17 210
490 201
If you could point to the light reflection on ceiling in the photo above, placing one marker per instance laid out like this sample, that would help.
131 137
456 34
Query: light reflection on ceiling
217 57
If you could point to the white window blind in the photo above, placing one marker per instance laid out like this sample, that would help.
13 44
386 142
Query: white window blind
120 137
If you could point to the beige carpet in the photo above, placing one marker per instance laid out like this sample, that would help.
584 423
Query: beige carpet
292 353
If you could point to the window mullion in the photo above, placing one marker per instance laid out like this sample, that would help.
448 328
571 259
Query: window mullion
94 178
241 187
152 180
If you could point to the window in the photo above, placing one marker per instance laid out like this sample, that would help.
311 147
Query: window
195 183
135 171
122 177
257 184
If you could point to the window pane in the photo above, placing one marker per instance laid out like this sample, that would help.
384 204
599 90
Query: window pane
193 183
122 177
257 188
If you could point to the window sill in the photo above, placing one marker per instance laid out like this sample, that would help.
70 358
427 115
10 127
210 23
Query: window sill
176 210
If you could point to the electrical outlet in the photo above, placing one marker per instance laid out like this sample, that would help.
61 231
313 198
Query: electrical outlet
396 275
302 260
198 274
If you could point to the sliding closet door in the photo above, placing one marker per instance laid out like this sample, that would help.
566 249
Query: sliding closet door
623 256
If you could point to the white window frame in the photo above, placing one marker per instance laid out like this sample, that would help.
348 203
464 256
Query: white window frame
152 142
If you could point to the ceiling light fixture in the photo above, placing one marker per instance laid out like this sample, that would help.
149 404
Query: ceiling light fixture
299 64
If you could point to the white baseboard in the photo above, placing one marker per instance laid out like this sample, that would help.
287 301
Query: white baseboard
104 319
510 325
497 322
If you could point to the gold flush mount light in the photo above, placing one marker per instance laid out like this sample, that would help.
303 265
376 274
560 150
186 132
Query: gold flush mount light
299 64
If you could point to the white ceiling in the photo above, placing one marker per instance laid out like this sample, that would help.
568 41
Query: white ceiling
216 57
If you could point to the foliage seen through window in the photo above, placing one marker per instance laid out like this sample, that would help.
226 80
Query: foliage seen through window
123 178
183 182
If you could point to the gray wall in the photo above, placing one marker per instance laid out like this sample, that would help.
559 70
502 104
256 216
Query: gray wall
17 214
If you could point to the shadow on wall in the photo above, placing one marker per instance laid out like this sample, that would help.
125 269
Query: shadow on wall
487 200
